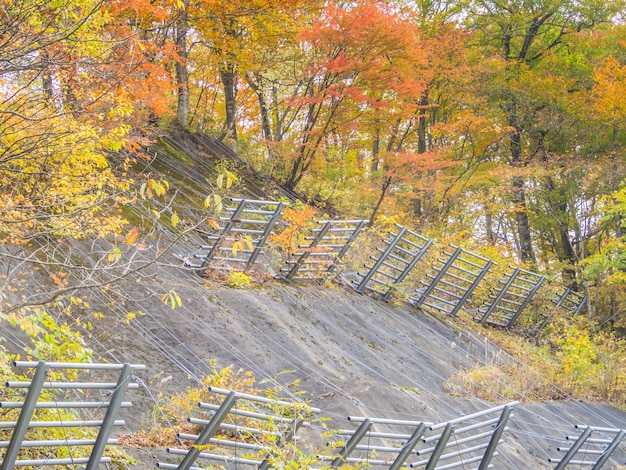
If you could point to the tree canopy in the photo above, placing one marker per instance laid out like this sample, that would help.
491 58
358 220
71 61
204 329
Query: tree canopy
501 125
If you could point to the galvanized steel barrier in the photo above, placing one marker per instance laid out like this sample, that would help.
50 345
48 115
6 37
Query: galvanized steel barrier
447 287
398 256
256 428
246 230
461 441
326 248
514 294
592 448
451 283
57 394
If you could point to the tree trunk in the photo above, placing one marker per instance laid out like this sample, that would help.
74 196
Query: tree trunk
421 130
182 73
527 254
46 78
384 188
615 180
565 251
266 126
228 74
491 239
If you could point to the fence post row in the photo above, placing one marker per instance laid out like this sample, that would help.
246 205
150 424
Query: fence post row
449 284
32 402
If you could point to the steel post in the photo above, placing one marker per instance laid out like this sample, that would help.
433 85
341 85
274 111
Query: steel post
352 443
572 451
437 278
495 302
609 450
209 431
440 447
109 418
408 447
390 246
495 438
23 422
268 230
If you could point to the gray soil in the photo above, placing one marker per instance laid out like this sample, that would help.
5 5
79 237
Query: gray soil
353 354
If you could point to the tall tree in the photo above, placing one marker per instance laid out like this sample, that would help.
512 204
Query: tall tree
517 36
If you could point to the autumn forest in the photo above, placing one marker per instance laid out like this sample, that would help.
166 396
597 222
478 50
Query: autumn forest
496 125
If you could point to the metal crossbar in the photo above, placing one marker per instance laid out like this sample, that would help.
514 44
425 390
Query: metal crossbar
452 281
395 261
327 246
569 300
239 241
255 427
459 441
396 447
592 448
43 393
507 304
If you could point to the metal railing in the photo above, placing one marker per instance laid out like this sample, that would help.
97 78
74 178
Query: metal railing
452 281
398 256
592 448
43 393
238 242
252 428
458 442
514 294
327 246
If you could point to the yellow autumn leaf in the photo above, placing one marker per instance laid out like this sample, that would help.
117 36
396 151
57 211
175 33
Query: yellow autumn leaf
131 236
130 316
114 255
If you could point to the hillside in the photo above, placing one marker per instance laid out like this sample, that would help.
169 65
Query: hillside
352 354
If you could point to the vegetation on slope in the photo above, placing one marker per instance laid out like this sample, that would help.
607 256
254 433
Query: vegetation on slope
498 126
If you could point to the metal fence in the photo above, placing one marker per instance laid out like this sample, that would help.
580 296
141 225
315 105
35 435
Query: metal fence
592 448
451 444
327 246
451 281
238 242
49 389
396 258
243 429
248 430
514 294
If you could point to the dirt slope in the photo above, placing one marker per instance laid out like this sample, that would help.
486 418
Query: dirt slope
353 354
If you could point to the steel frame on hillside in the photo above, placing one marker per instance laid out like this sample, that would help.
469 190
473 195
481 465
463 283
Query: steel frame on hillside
570 301
255 422
589 449
507 304
452 282
400 253
242 236
327 246
461 441
60 391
